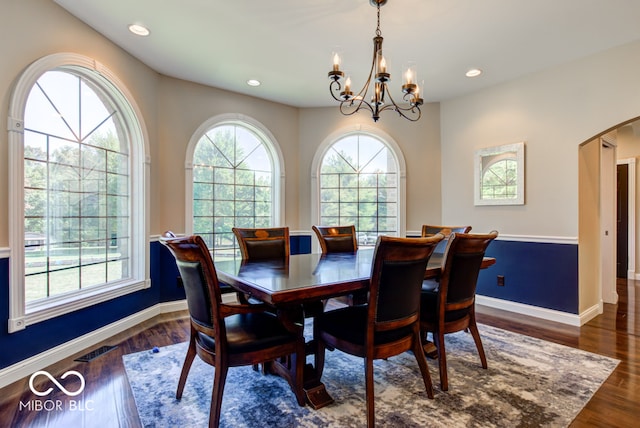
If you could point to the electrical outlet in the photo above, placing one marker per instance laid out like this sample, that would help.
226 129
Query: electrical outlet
501 280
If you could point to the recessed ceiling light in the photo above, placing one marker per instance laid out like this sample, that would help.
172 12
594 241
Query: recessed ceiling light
474 72
253 82
139 30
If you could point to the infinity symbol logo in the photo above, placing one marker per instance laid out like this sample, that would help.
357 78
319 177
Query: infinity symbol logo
52 379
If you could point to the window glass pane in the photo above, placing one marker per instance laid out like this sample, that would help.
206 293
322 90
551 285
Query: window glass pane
349 194
202 191
329 195
223 175
76 175
358 185
35 285
245 177
388 194
43 115
202 174
329 220
499 181
245 209
35 146
329 209
202 207
93 274
236 163
329 180
64 152
64 280
117 163
262 222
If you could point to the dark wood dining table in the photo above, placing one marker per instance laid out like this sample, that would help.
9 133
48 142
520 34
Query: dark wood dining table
300 279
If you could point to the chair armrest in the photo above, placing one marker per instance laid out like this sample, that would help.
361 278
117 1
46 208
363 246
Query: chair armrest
241 308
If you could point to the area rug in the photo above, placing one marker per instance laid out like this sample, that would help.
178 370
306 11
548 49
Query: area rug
529 383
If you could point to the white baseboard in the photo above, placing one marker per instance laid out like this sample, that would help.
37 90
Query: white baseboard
27 367
591 313
538 312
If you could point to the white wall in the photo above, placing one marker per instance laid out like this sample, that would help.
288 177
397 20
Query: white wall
552 112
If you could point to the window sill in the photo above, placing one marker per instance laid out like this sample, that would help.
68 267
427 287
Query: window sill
51 309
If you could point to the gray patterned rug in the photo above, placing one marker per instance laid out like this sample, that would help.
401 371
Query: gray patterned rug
529 383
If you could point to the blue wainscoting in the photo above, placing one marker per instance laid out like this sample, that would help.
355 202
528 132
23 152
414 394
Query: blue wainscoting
536 274
300 244
40 337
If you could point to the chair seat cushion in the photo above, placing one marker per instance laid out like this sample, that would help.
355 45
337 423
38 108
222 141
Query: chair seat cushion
252 332
350 324
429 308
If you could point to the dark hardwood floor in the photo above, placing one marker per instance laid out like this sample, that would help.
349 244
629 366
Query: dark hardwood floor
107 401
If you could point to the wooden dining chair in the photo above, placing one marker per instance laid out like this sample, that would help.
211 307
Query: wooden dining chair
263 243
269 243
451 306
336 239
229 335
340 239
428 230
388 324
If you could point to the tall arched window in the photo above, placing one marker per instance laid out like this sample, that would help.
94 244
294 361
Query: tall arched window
361 182
77 188
235 169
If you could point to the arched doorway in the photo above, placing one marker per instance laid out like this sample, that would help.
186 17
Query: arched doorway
601 209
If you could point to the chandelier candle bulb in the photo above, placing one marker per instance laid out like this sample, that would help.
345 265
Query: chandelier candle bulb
346 95
408 76
336 62
383 64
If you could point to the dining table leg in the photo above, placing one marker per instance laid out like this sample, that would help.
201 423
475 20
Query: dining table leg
315 391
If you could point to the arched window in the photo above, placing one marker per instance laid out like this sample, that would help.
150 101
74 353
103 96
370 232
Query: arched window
500 179
235 172
77 190
360 181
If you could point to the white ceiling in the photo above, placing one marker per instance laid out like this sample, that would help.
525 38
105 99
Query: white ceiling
287 44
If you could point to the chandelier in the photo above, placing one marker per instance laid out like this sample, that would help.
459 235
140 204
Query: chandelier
350 103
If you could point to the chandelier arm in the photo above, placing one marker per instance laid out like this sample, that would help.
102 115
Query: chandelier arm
412 108
335 87
363 92
348 108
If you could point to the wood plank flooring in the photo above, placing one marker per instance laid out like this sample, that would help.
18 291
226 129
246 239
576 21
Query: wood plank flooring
107 401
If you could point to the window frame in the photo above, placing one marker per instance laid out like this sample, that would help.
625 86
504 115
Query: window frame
22 314
272 146
379 135
485 158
